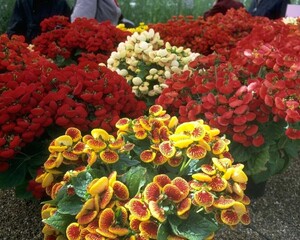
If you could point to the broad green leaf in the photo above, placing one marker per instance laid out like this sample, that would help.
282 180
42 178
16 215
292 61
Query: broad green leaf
70 205
291 147
60 221
197 227
279 160
96 171
80 183
15 175
257 163
124 163
272 131
239 152
135 179
22 193
164 230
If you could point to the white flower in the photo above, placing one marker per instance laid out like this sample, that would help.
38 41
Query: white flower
153 71
122 72
137 81
162 52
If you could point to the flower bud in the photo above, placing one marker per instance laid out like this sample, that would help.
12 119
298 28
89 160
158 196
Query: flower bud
137 81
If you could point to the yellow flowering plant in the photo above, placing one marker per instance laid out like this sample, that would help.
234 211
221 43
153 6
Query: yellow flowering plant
140 28
156 179
146 61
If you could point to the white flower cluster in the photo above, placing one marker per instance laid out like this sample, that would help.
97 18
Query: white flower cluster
146 62
290 20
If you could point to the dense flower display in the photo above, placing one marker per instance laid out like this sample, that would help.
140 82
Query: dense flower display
223 101
82 39
251 95
218 33
40 100
154 177
146 61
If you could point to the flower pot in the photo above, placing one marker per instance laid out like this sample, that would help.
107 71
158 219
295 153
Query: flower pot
255 190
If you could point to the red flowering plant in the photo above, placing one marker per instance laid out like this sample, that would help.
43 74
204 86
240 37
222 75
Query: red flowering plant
20 93
40 100
83 39
218 33
156 179
252 97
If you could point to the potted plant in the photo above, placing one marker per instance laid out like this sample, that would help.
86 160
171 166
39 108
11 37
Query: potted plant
156 179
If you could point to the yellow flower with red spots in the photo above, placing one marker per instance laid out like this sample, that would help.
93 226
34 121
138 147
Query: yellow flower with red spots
155 172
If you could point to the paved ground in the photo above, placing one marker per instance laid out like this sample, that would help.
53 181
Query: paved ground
275 215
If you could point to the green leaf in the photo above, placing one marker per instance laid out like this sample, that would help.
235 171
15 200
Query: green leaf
279 160
136 178
60 221
22 193
239 152
272 131
96 172
291 147
80 183
24 165
124 163
70 205
198 225
164 230
14 176
258 161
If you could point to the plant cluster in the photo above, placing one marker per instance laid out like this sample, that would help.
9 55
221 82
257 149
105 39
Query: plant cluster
156 179
83 39
146 61
252 96
218 33
39 99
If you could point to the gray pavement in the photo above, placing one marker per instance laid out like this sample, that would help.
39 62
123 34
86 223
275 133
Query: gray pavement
275 215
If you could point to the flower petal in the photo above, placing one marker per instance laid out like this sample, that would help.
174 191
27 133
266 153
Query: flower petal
138 209
97 186
109 156
161 180
196 152
151 192
147 156
173 193
73 231
229 217
74 133
120 190
184 206
223 203
218 184
167 149
156 110
204 198
106 219
149 229
156 211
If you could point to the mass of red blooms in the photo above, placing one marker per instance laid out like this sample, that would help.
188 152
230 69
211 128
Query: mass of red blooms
77 41
218 33
257 83
36 93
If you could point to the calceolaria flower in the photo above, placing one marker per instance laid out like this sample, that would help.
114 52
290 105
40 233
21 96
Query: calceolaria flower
146 62
154 173
140 28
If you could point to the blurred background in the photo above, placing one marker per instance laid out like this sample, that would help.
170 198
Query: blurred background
147 11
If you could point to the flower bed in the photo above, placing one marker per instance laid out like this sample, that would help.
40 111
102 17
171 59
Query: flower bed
223 106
